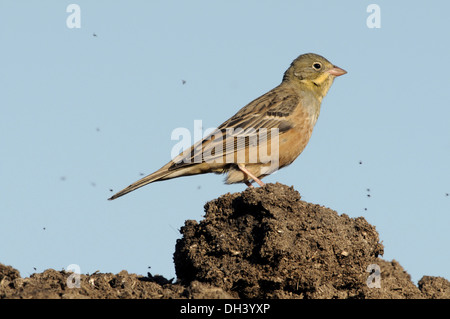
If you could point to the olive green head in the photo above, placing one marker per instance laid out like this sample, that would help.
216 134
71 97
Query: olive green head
314 72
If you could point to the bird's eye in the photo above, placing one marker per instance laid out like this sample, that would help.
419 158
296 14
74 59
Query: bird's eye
317 65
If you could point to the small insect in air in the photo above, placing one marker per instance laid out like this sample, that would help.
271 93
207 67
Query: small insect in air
183 82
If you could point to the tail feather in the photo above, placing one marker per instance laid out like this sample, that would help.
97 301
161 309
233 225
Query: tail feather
162 174
154 177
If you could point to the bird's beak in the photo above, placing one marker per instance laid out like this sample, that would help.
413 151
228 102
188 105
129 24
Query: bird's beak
336 71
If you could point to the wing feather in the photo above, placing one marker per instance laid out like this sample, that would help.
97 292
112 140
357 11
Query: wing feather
243 131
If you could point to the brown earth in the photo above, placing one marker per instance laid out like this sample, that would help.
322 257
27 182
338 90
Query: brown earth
262 243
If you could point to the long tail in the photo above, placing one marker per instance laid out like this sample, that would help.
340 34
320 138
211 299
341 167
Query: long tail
156 176
162 174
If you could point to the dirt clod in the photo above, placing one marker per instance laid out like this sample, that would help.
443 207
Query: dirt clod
264 242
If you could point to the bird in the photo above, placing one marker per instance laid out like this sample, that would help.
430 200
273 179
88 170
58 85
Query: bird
279 122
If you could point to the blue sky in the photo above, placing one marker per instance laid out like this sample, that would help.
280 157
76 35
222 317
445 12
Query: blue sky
82 114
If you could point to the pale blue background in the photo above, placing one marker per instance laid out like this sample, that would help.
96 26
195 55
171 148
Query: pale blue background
80 115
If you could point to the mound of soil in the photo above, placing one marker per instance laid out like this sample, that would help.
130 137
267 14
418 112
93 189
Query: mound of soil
262 243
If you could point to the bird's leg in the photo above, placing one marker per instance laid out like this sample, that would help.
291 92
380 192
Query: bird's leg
246 181
248 184
245 171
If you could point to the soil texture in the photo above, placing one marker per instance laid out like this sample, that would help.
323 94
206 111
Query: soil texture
264 242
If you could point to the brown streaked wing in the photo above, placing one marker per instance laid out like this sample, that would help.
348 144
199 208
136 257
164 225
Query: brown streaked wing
269 111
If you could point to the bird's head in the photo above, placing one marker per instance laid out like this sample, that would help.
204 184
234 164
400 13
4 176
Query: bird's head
313 71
